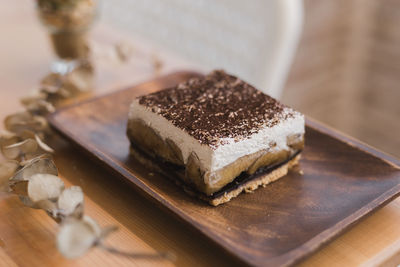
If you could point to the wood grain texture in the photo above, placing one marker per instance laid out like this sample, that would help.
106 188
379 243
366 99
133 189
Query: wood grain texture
343 181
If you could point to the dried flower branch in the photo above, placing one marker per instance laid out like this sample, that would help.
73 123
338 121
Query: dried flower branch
31 173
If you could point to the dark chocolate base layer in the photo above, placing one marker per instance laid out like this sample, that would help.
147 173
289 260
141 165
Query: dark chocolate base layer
245 177
176 173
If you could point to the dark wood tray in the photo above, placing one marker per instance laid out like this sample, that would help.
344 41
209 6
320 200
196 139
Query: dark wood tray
343 181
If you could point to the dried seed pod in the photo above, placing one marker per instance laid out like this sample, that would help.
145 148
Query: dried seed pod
79 80
77 236
16 150
7 170
46 205
53 81
39 124
19 122
44 186
43 145
16 121
26 134
8 138
30 161
54 92
11 152
42 164
19 187
40 106
32 98
69 200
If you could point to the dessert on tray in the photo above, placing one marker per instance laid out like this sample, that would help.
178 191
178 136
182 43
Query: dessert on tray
216 136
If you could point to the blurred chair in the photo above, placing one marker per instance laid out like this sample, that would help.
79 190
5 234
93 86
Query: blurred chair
255 39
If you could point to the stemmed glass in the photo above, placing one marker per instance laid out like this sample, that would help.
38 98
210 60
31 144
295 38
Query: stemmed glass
68 23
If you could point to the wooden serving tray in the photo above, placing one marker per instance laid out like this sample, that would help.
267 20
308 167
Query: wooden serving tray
343 181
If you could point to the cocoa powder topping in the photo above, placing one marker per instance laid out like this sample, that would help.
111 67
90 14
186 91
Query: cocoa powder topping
217 106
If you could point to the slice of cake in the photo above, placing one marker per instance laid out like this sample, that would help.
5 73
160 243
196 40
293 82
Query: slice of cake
218 135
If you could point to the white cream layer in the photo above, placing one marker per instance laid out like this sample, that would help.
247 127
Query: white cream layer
215 159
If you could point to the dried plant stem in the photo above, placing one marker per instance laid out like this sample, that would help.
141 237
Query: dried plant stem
31 173
149 256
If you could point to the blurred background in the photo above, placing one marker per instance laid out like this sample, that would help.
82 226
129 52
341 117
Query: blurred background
336 61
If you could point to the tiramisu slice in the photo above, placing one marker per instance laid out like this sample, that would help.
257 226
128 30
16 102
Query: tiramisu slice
217 135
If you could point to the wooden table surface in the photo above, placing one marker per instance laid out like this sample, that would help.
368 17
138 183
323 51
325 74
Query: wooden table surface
27 236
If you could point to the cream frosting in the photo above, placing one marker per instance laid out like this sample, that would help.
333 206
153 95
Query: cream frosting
229 150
